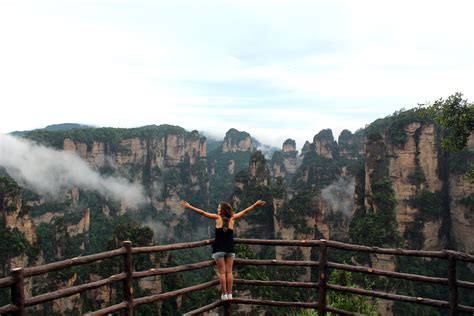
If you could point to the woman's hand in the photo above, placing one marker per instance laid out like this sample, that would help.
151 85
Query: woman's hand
185 204
248 209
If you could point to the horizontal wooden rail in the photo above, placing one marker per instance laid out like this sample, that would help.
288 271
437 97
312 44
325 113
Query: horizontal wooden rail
278 242
276 283
71 262
464 284
273 303
389 251
183 245
467 309
288 304
73 290
359 248
389 296
203 309
8 309
6 282
405 276
274 262
460 255
109 310
162 271
167 295
397 251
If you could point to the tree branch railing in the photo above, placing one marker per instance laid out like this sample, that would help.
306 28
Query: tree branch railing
19 302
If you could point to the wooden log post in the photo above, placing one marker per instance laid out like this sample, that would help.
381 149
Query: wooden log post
227 308
323 259
128 282
452 284
18 291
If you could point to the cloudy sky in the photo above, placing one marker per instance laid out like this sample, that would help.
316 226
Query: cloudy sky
276 69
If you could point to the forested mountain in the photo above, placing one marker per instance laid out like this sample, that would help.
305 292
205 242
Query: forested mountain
54 127
389 184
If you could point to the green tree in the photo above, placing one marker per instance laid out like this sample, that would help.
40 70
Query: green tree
346 301
457 116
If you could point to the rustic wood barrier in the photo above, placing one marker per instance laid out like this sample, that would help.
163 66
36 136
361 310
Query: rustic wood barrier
19 302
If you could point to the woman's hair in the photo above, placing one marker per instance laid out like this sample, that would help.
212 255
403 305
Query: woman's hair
226 209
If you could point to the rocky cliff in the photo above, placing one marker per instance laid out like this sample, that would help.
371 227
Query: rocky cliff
429 195
225 161
235 141
351 146
168 161
324 144
391 179
461 194
285 162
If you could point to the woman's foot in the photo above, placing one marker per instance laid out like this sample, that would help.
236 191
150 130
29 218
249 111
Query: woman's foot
229 296
224 297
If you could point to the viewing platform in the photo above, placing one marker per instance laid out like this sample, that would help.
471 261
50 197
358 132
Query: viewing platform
19 303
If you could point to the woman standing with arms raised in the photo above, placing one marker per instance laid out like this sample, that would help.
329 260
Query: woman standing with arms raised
223 251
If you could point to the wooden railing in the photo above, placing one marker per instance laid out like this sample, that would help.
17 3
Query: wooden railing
19 302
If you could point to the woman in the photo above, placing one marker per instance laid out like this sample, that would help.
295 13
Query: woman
223 248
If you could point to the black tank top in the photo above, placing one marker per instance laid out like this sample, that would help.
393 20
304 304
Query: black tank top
224 238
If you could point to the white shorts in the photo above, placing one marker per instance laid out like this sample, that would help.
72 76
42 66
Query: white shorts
222 255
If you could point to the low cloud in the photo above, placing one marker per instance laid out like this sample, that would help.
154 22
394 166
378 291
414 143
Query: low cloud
50 172
339 196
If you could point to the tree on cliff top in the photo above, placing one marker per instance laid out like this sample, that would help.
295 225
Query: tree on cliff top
457 116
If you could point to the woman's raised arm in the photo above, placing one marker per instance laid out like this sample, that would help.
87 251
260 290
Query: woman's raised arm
248 209
198 210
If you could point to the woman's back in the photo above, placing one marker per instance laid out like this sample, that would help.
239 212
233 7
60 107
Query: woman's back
224 235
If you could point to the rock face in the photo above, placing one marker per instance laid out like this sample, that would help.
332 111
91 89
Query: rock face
14 222
351 146
258 177
166 151
461 193
403 166
298 210
236 141
324 144
81 227
303 213
423 183
418 173
462 212
14 219
289 156
413 169
231 167
284 162
428 154
225 161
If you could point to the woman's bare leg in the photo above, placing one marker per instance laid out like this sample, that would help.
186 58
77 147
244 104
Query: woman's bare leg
229 262
220 263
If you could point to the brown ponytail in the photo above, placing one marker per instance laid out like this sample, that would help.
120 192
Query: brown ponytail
226 209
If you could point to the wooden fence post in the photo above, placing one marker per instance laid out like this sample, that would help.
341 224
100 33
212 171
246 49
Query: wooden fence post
323 259
227 308
18 291
452 284
128 282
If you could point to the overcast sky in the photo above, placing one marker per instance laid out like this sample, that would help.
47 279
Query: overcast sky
276 69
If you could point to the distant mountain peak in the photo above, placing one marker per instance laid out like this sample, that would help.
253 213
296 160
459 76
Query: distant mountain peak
235 141
54 128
